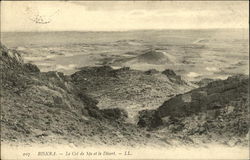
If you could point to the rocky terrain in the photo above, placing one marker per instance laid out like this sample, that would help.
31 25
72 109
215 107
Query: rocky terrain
217 112
129 89
47 107
95 106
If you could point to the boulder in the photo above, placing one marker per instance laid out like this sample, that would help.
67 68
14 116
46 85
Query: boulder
173 77
169 72
149 119
115 114
31 68
151 72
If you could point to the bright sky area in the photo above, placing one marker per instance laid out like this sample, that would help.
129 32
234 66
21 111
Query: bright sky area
120 16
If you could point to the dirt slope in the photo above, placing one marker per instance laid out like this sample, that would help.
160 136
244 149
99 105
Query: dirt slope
47 108
129 89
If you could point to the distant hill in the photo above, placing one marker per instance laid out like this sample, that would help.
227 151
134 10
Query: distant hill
154 57
150 56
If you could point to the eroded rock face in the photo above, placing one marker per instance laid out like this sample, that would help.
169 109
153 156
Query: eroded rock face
215 95
220 107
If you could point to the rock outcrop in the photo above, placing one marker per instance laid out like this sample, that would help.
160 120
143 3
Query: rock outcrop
221 107
173 77
215 95
203 82
149 119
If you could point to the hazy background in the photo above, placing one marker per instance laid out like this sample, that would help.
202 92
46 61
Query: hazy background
123 15
196 39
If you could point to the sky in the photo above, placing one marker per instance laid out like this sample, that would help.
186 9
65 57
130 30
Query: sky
121 15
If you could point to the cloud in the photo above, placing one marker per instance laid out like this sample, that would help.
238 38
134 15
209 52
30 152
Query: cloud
193 74
122 15
211 69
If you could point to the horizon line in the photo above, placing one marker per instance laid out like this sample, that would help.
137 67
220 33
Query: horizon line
129 30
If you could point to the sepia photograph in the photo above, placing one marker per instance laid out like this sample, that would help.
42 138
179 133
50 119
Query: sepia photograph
124 80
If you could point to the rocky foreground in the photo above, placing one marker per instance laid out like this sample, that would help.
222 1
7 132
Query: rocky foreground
217 112
48 108
89 107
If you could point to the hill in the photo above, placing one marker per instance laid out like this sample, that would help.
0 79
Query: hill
129 89
154 57
146 57
47 107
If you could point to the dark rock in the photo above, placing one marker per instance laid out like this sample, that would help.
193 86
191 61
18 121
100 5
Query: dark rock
123 69
215 95
174 107
98 71
31 68
151 72
169 72
89 101
204 82
115 114
149 119
153 57
173 77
